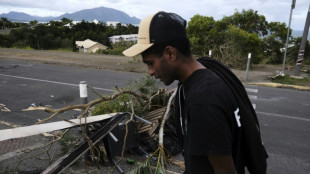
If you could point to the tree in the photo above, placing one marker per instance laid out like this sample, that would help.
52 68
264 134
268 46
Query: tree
5 23
228 43
249 21
66 21
5 40
56 23
33 23
131 29
235 47
293 52
279 30
274 43
202 34
272 51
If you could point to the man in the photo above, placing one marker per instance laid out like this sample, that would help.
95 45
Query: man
207 109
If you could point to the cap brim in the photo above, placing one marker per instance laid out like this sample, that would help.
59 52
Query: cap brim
136 49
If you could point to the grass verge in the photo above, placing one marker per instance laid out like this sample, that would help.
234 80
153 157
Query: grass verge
292 80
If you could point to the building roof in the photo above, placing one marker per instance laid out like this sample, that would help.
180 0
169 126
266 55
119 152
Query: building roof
124 36
86 43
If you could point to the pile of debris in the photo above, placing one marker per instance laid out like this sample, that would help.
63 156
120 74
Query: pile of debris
279 74
121 133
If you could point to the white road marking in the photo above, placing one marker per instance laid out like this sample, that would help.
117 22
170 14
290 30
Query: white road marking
251 90
252 97
283 116
54 82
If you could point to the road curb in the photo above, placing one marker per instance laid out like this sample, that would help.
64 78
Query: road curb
279 85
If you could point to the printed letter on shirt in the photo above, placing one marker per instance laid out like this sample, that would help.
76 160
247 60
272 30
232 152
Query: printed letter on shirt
237 117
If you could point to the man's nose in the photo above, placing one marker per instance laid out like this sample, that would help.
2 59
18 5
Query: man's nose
151 71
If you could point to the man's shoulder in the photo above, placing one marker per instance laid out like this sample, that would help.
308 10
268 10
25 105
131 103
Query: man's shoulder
206 81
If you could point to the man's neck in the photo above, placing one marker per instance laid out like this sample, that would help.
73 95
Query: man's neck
188 67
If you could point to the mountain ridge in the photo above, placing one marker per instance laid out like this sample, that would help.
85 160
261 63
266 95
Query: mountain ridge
102 14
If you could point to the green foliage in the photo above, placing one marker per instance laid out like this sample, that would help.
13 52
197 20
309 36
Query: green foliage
66 43
248 20
202 34
67 143
117 48
144 168
275 42
121 104
66 21
272 50
233 37
5 23
131 161
147 85
33 23
292 52
5 40
279 30
57 36
228 43
243 43
292 81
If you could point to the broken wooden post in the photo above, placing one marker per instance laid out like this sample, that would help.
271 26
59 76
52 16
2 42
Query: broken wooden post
20 132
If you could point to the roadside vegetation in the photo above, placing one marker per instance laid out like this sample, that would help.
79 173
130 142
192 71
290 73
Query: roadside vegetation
147 85
56 36
291 80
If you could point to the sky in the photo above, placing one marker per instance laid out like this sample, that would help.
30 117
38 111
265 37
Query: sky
273 10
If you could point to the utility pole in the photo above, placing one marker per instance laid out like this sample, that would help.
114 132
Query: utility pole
288 33
302 47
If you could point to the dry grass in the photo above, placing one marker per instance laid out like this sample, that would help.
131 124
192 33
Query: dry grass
99 61
258 73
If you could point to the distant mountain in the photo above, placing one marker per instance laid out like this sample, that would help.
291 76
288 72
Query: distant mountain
102 14
23 17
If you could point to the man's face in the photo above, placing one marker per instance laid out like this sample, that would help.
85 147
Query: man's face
160 68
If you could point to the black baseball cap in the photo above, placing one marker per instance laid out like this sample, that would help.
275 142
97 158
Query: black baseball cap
158 28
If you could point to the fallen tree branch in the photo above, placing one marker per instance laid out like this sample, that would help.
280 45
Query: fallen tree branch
161 130
84 107
3 108
49 145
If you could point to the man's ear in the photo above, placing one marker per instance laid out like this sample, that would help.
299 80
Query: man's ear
170 53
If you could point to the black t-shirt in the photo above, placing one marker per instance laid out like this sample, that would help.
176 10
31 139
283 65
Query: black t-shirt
210 122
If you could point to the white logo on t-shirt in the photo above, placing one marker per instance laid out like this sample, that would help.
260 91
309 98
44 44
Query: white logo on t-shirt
237 116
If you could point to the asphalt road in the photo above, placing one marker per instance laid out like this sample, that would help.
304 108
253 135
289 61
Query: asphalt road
24 84
284 114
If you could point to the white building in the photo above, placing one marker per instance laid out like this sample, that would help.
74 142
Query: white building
113 23
95 21
127 37
89 46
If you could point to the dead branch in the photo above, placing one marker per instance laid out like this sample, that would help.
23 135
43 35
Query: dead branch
49 145
84 107
125 137
3 108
